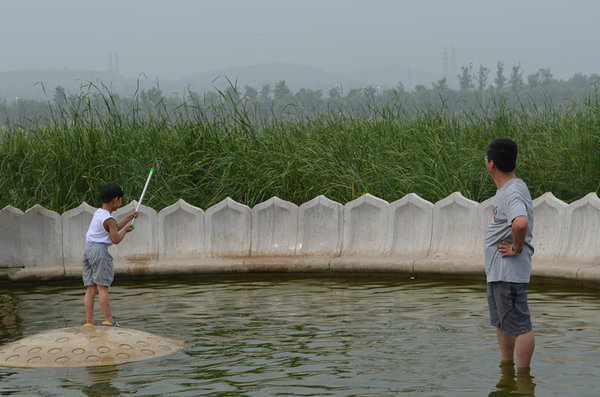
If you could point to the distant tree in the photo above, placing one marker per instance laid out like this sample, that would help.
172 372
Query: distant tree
281 91
579 80
533 80
465 78
250 93
500 79
265 93
309 98
335 93
153 96
516 77
355 94
440 85
232 93
60 96
546 77
370 92
482 77
420 88
400 88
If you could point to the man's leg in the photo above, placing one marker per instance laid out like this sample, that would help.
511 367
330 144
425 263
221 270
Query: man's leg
525 344
88 303
105 303
507 346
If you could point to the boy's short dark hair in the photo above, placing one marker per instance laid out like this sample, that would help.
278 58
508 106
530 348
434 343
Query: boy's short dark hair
503 152
109 192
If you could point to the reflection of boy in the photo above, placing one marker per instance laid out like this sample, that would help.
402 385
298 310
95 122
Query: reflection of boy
508 252
98 271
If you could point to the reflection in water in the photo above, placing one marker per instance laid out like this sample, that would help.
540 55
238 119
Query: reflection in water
9 321
514 383
99 382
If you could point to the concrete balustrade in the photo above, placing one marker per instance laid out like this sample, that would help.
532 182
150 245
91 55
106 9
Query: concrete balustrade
410 235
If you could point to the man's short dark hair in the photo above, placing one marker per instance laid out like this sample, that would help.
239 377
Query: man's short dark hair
503 152
109 192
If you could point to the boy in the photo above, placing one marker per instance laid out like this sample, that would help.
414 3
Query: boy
98 271
508 252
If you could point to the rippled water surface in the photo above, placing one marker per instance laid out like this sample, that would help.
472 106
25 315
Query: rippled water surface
343 336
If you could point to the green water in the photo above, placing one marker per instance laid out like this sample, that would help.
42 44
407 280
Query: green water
319 336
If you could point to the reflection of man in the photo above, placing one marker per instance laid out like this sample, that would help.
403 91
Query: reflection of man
508 253
522 385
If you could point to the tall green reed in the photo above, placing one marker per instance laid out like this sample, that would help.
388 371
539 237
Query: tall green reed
204 151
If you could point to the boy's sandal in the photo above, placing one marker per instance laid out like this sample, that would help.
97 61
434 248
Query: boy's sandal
89 325
108 324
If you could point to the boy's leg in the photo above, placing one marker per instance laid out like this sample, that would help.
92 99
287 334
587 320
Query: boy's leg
105 303
88 303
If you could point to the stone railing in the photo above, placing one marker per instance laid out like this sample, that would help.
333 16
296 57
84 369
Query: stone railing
410 235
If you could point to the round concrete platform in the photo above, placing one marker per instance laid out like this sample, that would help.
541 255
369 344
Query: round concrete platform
86 346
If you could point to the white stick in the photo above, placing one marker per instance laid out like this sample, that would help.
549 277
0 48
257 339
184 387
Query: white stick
137 207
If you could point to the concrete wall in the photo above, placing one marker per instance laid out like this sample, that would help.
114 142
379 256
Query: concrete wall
409 235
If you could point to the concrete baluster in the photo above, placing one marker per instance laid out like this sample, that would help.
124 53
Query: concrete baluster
410 226
75 224
228 230
274 228
180 232
41 244
320 227
11 257
549 224
581 238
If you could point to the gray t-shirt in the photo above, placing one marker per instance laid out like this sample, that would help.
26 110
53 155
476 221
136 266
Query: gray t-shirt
511 201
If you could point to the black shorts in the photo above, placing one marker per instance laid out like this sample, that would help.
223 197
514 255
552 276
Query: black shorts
508 307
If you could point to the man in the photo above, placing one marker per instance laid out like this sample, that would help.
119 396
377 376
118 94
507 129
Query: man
508 252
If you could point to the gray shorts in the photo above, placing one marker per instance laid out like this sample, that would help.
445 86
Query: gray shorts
508 307
97 265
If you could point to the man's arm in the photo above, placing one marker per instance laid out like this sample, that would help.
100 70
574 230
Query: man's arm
519 232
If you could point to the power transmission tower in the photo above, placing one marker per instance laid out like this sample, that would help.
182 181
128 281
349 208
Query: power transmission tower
116 69
445 63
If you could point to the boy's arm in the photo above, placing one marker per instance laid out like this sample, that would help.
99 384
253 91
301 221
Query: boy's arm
121 224
115 235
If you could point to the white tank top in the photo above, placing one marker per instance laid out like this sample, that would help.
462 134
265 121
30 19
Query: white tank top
96 232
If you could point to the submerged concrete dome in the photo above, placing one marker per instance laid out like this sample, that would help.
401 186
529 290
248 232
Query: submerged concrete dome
86 346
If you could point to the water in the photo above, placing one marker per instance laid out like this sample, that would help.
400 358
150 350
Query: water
323 336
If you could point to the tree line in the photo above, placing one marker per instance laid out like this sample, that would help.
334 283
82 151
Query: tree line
477 89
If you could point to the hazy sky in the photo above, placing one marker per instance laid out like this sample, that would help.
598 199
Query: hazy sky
173 39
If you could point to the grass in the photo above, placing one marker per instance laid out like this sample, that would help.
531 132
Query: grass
203 153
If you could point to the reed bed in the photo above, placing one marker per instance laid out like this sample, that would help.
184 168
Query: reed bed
203 153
